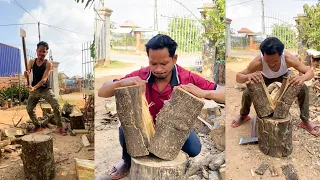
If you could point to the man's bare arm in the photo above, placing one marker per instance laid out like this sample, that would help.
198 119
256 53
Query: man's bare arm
217 95
29 67
247 74
45 75
293 61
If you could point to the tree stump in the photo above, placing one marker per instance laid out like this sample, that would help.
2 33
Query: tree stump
174 123
275 136
145 168
136 121
37 157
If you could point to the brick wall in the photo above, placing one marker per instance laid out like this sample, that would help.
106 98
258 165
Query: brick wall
6 82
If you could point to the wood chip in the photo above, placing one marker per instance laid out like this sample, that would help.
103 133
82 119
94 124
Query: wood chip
274 171
85 141
290 172
262 168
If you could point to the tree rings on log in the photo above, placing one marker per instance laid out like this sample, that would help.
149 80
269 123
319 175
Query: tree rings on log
37 157
275 136
150 167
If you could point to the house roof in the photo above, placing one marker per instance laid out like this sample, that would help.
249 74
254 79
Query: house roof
245 30
129 24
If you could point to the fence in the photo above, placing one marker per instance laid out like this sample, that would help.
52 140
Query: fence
87 68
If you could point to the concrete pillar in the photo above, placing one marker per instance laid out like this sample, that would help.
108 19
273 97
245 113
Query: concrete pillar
302 45
107 14
55 79
138 41
251 42
228 39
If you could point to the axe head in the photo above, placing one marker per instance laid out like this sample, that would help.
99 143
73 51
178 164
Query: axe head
22 33
252 140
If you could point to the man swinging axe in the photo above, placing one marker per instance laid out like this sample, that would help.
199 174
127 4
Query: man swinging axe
40 86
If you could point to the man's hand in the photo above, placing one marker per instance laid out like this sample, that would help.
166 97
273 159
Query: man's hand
133 81
30 88
193 89
297 80
26 74
254 77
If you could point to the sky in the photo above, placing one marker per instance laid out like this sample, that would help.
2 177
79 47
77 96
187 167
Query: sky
247 14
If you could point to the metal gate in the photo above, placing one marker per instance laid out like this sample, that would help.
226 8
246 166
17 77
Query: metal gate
284 29
180 20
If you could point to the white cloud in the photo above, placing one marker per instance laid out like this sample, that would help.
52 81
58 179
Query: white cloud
66 15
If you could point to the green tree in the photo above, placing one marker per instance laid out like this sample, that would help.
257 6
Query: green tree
309 26
215 27
286 34
187 33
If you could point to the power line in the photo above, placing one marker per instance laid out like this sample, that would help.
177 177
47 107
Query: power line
13 1
66 29
240 3
64 33
17 24
71 57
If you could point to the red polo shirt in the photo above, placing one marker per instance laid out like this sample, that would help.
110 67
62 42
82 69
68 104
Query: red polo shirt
179 76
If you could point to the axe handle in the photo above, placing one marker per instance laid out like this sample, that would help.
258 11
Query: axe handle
25 58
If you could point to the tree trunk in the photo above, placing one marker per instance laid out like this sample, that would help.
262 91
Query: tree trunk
285 101
275 136
37 157
145 168
136 121
174 123
261 99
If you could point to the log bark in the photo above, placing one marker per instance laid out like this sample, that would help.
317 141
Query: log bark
136 121
150 167
285 101
275 136
174 123
261 99
46 111
37 157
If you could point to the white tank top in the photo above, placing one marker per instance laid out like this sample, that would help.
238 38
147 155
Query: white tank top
268 73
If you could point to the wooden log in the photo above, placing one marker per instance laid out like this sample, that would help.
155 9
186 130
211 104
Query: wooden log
285 101
46 110
261 99
174 123
135 118
275 136
150 167
84 169
37 157
77 122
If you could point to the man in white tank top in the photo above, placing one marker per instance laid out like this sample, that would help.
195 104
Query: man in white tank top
272 65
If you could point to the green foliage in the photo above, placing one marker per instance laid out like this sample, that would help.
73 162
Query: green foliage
92 50
187 33
309 26
286 34
87 3
215 26
13 91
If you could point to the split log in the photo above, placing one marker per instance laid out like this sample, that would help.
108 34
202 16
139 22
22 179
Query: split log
46 110
174 123
145 168
275 136
135 118
77 122
37 157
261 99
285 101
84 169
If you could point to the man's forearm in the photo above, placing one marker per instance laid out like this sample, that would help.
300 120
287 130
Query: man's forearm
216 95
308 75
40 83
107 89
241 78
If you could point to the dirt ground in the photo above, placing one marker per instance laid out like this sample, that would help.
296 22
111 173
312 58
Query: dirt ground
66 148
242 159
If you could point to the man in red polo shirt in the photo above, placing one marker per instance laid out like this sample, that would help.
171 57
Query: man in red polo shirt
158 80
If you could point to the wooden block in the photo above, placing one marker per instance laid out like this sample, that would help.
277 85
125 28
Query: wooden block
285 101
85 140
80 131
290 172
77 122
145 168
262 102
262 168
84 169
136 121
37 156
174 123
275 136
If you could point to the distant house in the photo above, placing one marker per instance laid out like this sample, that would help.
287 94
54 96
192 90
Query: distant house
247 39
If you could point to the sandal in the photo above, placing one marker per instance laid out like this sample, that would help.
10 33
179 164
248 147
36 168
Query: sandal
239 120
315 128
119 170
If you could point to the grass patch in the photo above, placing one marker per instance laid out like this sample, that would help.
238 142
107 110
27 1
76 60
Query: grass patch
114 64
236 59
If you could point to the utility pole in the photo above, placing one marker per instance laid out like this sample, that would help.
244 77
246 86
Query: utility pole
155 16
39 30
262 17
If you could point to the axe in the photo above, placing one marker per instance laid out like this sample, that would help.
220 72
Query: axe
253 139
23 35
